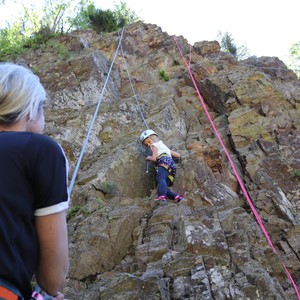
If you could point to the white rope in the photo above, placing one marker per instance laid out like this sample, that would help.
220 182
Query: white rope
134 94
94 118
37 288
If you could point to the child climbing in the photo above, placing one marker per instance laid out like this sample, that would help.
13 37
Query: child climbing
162 156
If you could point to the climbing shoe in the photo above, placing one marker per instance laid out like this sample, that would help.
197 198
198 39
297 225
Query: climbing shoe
161 200
179 198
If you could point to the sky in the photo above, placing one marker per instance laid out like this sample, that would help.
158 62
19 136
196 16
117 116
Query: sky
265 27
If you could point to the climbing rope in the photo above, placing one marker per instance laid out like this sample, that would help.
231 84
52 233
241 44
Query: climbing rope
133 91
94 117
98 105
234 168
38 290
136 99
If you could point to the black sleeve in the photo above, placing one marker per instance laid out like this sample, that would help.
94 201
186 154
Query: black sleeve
49 175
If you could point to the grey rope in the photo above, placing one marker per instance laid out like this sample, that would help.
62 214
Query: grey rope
37 288
134 94
136 100
94 118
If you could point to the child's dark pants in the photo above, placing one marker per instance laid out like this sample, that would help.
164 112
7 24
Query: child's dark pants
163 183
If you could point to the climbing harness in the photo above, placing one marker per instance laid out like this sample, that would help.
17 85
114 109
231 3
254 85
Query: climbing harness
168 163
120 35
38 293
188 65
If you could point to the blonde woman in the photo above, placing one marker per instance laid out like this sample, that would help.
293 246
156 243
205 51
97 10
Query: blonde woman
33 191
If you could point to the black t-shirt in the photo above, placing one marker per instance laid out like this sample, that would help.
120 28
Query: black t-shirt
33 182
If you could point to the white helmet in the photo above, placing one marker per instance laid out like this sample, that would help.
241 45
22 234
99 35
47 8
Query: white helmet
146 134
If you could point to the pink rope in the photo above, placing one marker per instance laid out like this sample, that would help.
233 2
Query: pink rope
234 168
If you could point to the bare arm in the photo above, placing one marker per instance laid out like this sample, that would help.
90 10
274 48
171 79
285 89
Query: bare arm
175 154
54 262
153 157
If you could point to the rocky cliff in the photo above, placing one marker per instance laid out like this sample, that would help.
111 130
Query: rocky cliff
124 246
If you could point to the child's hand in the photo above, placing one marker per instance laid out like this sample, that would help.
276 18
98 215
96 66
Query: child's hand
177 159
149 158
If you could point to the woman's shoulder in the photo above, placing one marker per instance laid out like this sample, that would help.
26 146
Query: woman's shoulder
25 138
44 142
42 138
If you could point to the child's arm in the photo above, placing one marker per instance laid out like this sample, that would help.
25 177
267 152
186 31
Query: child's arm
153 157
175 154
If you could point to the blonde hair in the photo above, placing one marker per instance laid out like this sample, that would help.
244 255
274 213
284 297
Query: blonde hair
21 93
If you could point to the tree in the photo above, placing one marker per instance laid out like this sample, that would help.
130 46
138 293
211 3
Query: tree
295 58
37 23
103 21
56 16
124 15
40 21
112 20
82 20
11 41
228 45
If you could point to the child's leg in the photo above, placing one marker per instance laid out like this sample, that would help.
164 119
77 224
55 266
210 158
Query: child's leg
162 186
170 194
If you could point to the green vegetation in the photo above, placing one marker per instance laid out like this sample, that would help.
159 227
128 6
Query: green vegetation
295 59
62 50
38 23
228 45
105 20
10 45
164 75
99 200
293 212
108 187
76 209
295 173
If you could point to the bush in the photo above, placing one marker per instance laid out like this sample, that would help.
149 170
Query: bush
295 58
34 28
108 21
164 75
103 21
11 42
228 45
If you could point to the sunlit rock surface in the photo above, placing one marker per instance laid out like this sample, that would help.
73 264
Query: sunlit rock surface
123 246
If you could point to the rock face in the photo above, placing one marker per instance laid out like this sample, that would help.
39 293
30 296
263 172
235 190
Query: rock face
123 246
